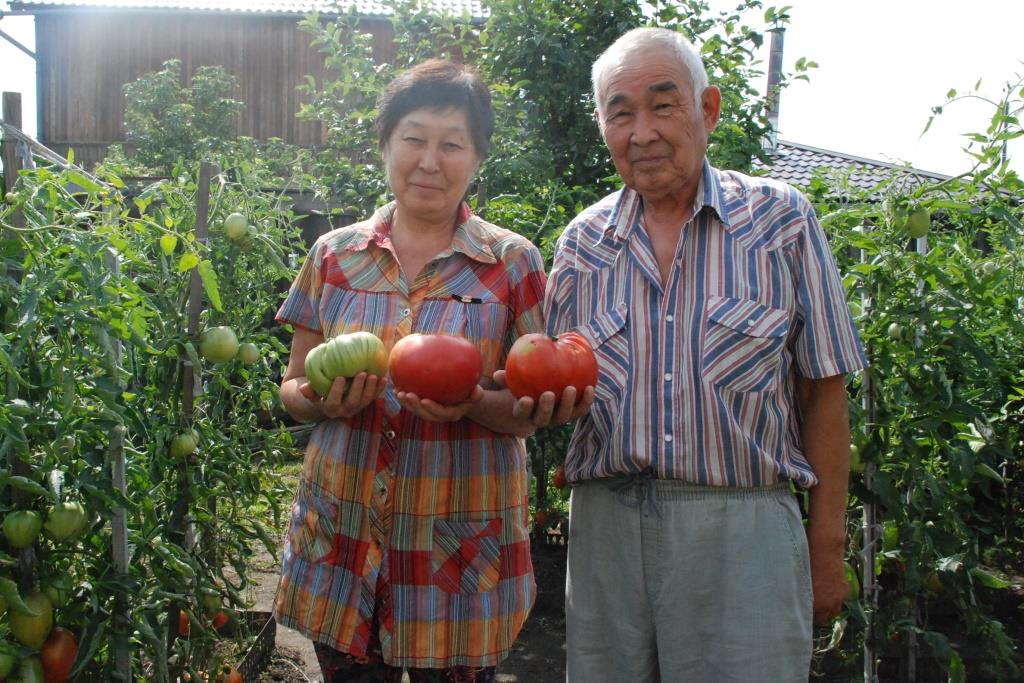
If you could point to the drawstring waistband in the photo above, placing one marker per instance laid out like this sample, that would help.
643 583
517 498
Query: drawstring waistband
637 490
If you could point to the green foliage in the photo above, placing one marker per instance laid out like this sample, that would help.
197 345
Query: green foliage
941 434
94 346
169 122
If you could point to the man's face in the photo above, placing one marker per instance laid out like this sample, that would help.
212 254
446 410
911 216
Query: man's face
656 133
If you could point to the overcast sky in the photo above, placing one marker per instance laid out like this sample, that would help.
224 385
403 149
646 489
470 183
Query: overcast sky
883 65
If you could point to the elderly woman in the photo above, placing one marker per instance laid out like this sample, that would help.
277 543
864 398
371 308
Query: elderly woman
408 546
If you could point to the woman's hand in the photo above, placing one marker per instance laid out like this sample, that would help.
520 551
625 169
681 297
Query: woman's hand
347 397
426 409
549 411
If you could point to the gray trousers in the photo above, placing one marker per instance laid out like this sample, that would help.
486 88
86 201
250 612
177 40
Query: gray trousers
673 583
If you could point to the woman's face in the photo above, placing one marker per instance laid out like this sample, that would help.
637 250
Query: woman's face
429 160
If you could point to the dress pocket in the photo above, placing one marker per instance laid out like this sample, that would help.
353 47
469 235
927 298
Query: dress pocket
743 344
313 527
466 555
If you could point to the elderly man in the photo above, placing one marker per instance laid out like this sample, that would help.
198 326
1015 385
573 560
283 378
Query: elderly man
722 334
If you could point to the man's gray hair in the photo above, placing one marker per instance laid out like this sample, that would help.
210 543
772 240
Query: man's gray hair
646 38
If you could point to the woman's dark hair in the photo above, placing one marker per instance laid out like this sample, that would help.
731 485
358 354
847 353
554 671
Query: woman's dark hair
438 84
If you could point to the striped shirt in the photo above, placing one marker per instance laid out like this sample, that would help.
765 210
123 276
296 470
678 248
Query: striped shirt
696 376
419 526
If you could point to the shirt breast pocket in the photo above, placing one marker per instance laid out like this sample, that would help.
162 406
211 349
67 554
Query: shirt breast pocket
743 344
608 335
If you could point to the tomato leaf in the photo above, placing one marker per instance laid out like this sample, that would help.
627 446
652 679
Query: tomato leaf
26 484
209 277
193 355
9 590
168 243
187 262
90 642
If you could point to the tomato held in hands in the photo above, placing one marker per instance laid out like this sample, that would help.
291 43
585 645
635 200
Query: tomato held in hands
345 356
58 654
537 363
439 367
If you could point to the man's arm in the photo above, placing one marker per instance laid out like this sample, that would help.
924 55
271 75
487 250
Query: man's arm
826 441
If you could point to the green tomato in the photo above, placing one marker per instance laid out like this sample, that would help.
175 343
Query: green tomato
22 527
57 588
248 353
345 356
856 464
31 631
890 537
7 662
66 520
851 577
919 222
218 344
236 227
30 671
184 444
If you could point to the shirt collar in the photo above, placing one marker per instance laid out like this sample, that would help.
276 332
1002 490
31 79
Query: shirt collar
710 195
470 236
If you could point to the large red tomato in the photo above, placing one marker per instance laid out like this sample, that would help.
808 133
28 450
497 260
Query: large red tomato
439 367
537 363
58 654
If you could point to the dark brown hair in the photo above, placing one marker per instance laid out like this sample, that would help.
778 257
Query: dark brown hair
438 84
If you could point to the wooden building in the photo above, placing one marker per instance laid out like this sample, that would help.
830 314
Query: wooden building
87 51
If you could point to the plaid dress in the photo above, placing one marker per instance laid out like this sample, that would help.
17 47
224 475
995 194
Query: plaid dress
419 526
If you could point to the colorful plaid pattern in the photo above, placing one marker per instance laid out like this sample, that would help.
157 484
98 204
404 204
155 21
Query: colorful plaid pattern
420 524
695 376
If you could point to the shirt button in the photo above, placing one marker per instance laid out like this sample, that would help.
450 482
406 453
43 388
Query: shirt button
405 312
390 433
668 437
668 376
751 322
670 317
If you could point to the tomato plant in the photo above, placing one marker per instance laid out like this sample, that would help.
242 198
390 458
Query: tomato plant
537 363
220 619
441 368
22 527
58 655
345 356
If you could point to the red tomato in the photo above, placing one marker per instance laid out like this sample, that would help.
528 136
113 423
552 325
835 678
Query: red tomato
220 619
558 480
439 367
183 625
58 654
229 674
537 363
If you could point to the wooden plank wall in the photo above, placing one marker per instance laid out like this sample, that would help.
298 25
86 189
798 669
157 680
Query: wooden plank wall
86 57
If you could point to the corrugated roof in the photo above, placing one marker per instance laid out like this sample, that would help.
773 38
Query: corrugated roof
796 164
369 8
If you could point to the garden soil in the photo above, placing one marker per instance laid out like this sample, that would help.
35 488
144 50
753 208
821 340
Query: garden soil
537 657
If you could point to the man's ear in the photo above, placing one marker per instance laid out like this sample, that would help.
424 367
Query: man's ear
711 106
600 123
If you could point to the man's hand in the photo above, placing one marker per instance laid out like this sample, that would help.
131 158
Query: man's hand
362 389
426 409
549 410
828 580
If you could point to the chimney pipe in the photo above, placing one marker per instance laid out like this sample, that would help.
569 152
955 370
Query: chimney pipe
771 144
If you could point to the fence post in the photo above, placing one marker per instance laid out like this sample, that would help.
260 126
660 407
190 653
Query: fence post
119 517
